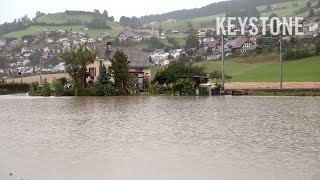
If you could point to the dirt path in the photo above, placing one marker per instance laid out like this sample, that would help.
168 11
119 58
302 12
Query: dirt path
271 85
49 77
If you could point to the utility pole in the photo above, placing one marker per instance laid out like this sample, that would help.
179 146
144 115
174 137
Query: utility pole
281 65
222 64
40 70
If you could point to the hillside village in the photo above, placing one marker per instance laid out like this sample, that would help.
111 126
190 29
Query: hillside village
35 54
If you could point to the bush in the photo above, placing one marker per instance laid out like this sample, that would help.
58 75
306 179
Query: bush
45 89
87 92
57 87
34 89
184 87
203 91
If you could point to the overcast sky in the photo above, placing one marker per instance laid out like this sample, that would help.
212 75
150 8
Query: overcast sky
13 9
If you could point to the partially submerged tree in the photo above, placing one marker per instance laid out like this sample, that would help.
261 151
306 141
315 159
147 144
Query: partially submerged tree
119 69
178 69
76 61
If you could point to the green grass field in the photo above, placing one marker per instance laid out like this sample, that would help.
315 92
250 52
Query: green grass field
60 18
303 70
287 10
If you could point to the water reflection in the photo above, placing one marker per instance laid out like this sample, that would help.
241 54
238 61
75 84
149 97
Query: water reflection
160 138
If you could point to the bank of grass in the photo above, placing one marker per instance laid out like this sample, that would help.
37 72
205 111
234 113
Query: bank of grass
302 70
263 93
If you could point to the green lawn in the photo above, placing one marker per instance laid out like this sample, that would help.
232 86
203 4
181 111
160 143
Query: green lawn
303 70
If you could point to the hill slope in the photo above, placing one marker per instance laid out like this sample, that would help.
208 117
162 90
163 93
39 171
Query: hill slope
59 21
287 9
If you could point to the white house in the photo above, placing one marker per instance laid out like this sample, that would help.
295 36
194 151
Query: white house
91 40
83 40
49 40
2 42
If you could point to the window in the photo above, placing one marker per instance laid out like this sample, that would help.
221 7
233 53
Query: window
92 72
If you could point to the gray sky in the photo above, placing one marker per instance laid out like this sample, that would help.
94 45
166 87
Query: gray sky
13 9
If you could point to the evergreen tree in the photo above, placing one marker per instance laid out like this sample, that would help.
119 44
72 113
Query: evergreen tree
119 69
192 41
311 13
103 83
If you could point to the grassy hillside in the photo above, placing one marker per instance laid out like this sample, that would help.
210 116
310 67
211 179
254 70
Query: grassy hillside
61 18
196 22
294 71
287 10
303 70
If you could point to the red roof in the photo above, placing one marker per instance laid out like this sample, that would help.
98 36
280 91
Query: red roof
238 43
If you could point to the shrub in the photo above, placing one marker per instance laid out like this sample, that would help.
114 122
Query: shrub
34 89
57 87
45 89
203 91
184 87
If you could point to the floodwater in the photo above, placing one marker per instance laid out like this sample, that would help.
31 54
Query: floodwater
159 138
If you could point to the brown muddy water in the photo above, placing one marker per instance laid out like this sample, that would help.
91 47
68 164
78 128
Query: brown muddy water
160 138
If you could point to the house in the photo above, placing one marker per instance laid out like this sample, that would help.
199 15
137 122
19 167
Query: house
213 44
49 40
310 34
129 35
239 45
99 39
275 6
3 42
83 40
25 50
206 40
139 65
91 41
61 31
14 43
242 44
105 35
310 27
171 21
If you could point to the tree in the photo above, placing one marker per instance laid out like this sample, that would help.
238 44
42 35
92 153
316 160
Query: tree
317 47
308 4
98 23
192 41
208 34
160 30
178 69
311 13
76 61
151 60
3 62
105 14
103 82
119 69
96 11
269 7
